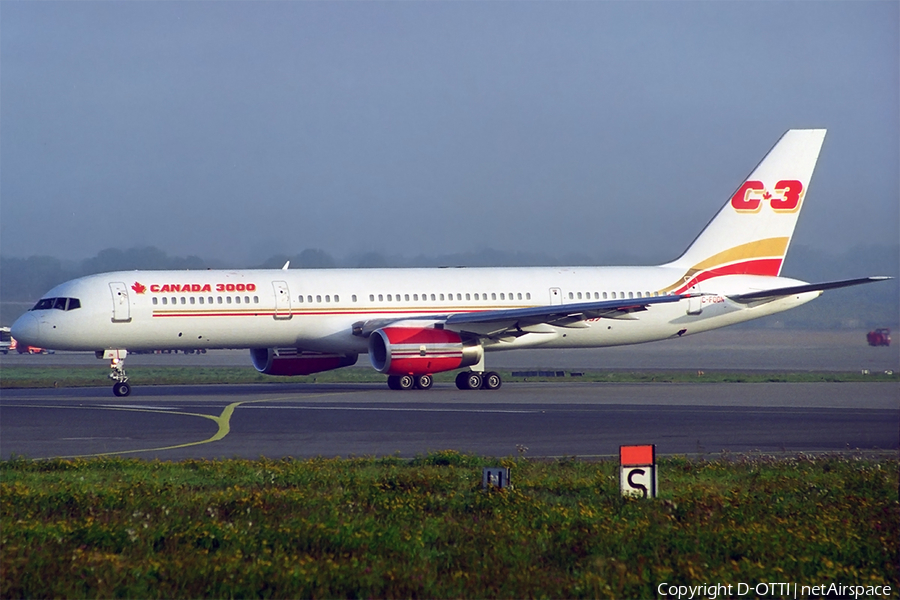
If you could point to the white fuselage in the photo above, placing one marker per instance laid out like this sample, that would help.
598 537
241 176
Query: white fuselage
316 310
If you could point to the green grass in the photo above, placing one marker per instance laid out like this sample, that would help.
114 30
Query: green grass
391 528
58 376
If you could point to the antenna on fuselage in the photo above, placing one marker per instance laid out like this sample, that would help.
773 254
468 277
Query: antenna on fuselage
286 265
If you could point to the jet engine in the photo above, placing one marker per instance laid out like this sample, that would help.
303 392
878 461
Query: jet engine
293 361
420 351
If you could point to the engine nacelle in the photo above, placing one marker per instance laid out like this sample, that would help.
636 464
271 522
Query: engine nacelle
293 361
420 351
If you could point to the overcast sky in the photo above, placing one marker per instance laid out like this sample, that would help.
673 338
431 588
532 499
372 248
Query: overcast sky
238 130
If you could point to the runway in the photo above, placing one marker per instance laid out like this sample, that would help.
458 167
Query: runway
539 420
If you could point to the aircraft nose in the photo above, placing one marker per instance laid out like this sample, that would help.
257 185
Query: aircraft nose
27 330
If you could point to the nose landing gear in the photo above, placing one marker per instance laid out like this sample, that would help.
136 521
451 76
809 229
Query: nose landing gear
116 359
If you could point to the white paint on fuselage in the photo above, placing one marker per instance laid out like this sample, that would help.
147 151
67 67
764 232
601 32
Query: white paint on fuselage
342 297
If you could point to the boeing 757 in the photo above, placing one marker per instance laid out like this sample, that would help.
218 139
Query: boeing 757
414 323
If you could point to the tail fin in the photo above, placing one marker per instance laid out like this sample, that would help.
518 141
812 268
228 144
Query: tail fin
750 235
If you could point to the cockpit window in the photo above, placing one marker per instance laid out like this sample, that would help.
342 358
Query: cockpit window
57 303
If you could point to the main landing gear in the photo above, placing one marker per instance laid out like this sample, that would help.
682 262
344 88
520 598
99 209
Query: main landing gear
466 380
408 382
473 380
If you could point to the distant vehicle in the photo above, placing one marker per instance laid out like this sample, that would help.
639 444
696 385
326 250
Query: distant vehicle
5 340
9 343
879 337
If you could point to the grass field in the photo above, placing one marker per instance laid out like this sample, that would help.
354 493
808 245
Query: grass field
391 528
57 376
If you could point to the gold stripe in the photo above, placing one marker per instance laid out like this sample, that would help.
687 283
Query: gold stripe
768 247
758 249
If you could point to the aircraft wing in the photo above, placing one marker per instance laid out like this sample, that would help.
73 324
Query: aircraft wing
495 322
773 294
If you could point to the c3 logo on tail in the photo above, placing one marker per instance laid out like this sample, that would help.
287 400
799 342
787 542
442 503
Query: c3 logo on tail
750 196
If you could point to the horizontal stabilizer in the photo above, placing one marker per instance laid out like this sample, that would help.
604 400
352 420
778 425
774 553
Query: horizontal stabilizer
801 289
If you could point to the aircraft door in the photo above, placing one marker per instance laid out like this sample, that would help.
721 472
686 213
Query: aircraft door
555 296
121 303
282 300
695 304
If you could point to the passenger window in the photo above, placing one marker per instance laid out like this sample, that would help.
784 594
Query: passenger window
192 300
318 298
613 295
520 295
210 300
604 295
237 300
301 298
631 294
502 296
468 296
493 296
309 299
433 298
571 296
442 297
227 299
389 298
528 295
327 298
380 298
406 297
174 300
337 298
155 301
164 300
255 299
246 299
219 299
415 297
476 296
371 297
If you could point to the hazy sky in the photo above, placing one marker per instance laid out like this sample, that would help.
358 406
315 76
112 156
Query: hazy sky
238 130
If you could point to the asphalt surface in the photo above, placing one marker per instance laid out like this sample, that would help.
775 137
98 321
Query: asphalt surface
563 418
548 419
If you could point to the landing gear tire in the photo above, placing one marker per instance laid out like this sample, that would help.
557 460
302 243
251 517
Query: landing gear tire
468 380
424 382
121 389
491 381
401 382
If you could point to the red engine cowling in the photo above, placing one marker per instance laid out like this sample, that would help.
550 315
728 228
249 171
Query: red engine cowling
292 361
420 351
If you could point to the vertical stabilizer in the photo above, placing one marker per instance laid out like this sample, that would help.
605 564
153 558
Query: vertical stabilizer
750 235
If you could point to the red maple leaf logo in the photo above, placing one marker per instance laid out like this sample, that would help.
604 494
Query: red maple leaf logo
139 288
767 195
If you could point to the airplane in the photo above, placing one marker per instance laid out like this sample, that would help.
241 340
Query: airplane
415 322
